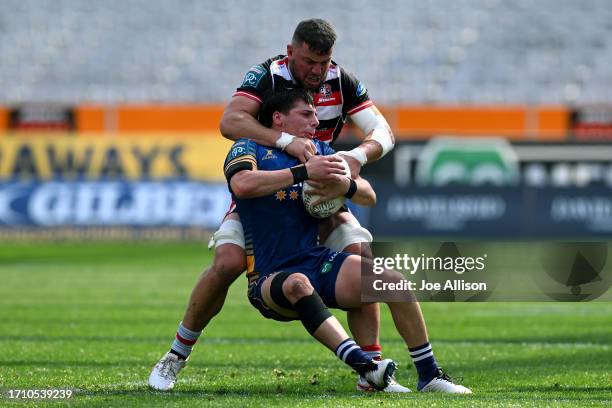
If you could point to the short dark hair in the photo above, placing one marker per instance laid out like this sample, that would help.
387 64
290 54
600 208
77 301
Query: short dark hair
282 101
317 33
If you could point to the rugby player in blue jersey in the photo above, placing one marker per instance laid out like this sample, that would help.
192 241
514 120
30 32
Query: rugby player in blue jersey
290 276
338 95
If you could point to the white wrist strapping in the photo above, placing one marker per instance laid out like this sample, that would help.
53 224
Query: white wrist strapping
358 154
283 141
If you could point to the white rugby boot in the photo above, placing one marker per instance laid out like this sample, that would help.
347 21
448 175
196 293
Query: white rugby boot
443 383
393 387
381 377
163 376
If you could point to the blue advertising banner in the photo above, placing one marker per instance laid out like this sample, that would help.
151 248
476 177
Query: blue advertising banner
134 204
497 212
443 212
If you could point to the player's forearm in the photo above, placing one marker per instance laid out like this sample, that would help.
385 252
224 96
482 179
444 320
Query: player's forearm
365 194
379 139
236 125
259 183
372 150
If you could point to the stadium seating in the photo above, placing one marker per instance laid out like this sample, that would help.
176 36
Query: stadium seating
465 51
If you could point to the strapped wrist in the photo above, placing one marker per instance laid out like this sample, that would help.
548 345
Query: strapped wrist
357 154
352 189
283 141
299 173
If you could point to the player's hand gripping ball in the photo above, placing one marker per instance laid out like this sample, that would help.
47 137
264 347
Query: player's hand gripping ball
326 208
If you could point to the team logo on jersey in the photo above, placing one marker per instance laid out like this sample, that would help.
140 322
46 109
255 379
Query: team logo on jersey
361 90
237 151
280 195
269 155
325 91
252 78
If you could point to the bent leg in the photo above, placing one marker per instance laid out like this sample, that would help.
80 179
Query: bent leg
364 321
409 322
308 306
297 292
342 232
205 302
208 295
407 315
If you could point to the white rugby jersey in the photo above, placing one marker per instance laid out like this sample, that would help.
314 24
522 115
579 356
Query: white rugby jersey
341 94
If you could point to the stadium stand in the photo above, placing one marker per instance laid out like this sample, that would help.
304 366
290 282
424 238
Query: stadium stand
466 51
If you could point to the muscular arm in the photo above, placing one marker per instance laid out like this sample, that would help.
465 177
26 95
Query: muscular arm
377 131
259 183
364 195
378 141
239 120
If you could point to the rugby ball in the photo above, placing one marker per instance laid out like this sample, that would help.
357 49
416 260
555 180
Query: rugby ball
326 208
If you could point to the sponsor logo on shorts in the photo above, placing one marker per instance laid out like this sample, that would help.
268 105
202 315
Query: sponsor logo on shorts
327 266
332 256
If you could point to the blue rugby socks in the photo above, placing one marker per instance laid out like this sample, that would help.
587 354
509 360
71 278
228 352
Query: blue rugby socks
425 363
349 352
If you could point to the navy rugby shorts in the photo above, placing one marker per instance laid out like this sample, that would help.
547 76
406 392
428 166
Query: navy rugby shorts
321 265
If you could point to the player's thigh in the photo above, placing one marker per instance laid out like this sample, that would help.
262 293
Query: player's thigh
230 256
266 296
348 283
342 232
230 232
229 262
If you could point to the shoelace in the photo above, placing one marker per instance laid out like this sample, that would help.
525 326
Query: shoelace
442 375
166 367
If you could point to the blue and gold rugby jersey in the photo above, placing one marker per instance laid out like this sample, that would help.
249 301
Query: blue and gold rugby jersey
277 228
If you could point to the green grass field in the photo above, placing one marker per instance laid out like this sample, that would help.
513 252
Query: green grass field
95 318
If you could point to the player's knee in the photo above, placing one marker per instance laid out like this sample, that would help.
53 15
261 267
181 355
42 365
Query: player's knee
230 257
296 286
391 276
